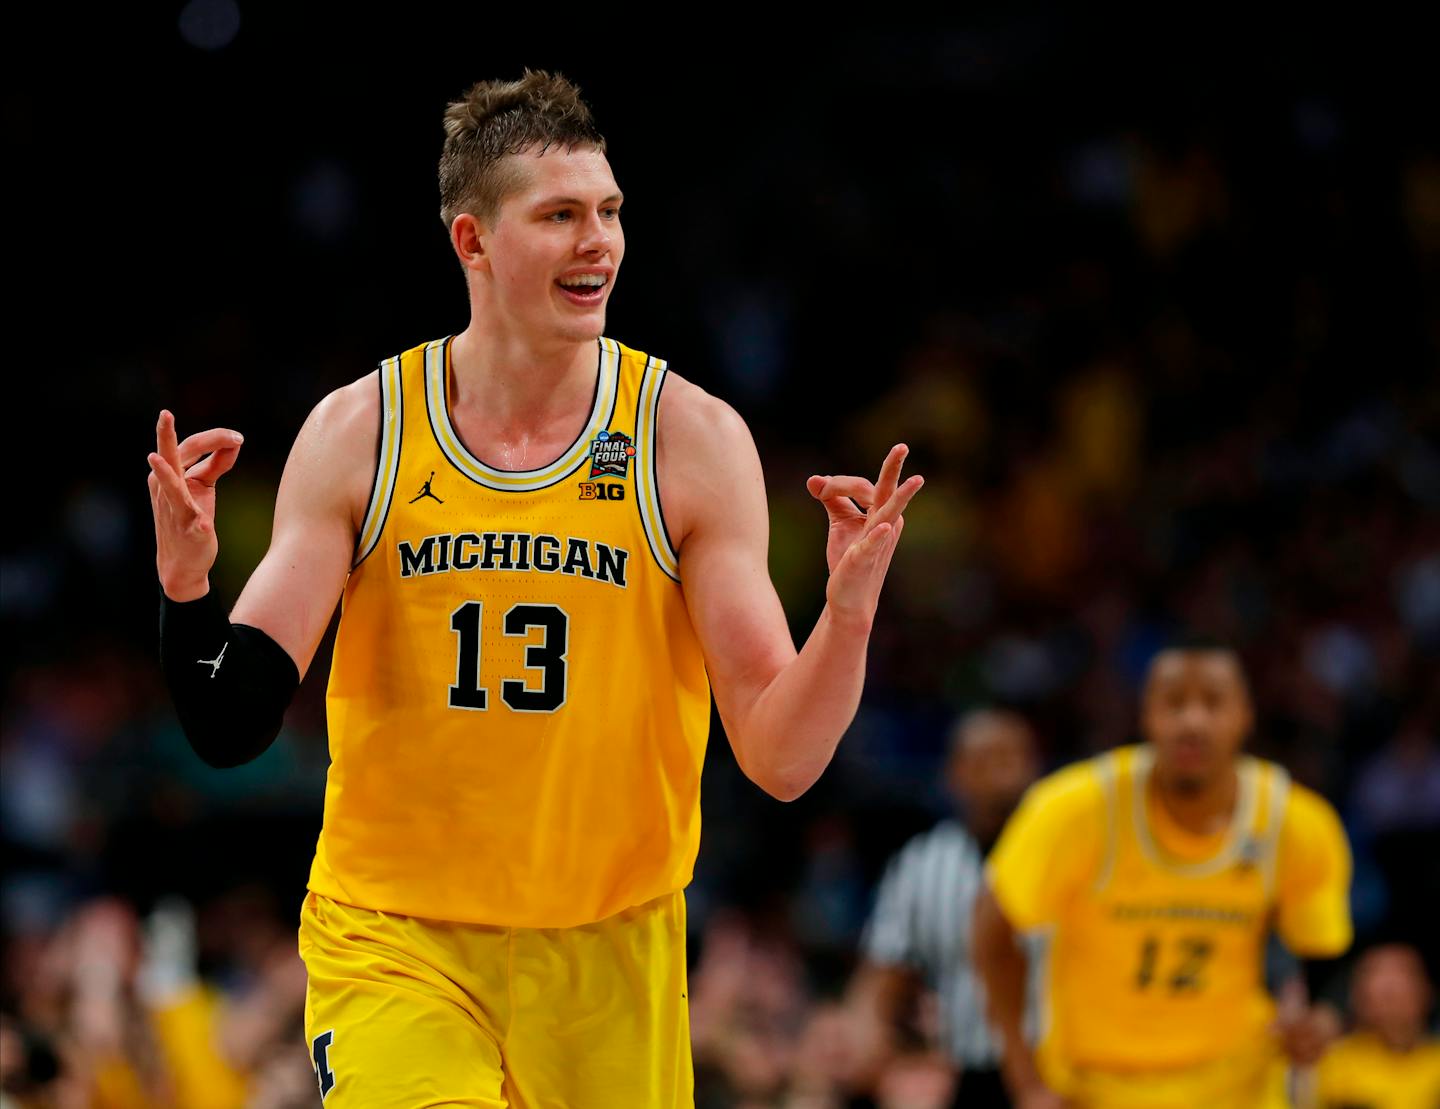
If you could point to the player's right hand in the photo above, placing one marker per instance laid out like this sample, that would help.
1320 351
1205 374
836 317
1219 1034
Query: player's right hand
182 497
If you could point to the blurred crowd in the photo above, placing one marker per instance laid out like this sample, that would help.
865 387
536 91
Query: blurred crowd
1168 363
112 1009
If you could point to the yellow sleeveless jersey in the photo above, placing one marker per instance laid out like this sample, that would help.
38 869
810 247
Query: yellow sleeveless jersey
1157 936
518 705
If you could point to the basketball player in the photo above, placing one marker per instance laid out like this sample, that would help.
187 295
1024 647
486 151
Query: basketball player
550 548
1159 872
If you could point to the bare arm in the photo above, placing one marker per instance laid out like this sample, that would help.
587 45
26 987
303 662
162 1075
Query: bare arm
292 593
1001 964
784 712
318 512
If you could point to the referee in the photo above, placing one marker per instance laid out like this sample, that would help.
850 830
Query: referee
919 932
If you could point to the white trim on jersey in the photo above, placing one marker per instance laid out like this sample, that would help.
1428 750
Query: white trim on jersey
387 466
437 403
647 482
1241 822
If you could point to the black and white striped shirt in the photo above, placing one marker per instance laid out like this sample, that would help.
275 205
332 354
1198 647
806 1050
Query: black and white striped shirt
922 920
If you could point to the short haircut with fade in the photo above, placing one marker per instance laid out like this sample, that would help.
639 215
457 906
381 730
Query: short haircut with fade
496 119
1201 643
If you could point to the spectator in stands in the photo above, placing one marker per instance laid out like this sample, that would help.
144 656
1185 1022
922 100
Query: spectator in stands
1389 1061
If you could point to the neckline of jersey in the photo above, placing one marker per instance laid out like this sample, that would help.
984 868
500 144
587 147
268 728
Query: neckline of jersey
1241 820
437 398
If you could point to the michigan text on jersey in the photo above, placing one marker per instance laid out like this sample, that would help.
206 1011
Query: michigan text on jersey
514 551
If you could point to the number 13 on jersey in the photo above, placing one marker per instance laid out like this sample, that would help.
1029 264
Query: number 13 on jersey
546 656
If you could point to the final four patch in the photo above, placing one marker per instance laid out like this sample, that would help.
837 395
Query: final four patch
610 454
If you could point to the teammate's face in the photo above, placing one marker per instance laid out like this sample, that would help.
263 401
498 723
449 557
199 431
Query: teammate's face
1196 714
556 245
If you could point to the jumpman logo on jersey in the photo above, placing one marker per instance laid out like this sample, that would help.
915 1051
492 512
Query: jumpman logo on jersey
425 491
214 662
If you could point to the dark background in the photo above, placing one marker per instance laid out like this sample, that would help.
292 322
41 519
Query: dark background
1155 307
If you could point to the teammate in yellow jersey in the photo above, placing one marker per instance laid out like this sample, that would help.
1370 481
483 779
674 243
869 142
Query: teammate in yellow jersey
1159 872
550 549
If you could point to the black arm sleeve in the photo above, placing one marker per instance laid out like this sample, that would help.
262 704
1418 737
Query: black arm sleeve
230 683
1325 980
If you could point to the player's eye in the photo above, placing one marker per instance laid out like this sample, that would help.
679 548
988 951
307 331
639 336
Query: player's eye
610 213
560 216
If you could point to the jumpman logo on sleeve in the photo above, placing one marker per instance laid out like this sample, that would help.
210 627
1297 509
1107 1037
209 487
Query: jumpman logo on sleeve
425 491
215 662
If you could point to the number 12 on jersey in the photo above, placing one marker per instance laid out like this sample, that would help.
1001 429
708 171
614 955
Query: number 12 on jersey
547 656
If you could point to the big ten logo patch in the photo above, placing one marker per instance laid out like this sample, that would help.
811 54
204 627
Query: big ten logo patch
610 454
601 491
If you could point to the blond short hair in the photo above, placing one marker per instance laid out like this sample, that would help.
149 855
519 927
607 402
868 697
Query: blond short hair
497 119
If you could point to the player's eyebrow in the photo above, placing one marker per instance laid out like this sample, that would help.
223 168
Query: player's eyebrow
561 201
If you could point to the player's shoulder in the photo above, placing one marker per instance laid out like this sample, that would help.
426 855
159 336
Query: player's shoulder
706 451
346 421
332 461
1075 790
353 403
691 414
687 412
1308 814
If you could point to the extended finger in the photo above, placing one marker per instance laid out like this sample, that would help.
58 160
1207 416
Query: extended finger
890 511
890 473
165 444
200 444
859 489
172 486
867 552
897 529
211 470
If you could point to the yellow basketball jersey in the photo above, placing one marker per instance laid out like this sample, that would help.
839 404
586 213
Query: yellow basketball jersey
518 705
1154 986
1173 946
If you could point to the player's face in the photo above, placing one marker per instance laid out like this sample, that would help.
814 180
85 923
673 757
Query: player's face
1196 714
556 246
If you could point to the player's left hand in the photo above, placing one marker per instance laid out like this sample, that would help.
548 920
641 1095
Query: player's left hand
865 524
1304 1031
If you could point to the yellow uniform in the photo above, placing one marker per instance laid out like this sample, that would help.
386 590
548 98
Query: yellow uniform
1154 979
1360 1072
518 710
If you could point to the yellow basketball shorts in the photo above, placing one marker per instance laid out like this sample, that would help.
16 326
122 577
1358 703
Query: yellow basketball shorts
403 1012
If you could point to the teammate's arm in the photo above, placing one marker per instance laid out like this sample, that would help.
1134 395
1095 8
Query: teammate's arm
231 682
1050 848
784 712
1313 920
1003 967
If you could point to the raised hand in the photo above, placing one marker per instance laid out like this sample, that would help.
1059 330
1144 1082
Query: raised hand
865 524
1304 1031
182 498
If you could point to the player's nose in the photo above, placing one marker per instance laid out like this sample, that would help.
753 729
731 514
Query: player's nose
596 237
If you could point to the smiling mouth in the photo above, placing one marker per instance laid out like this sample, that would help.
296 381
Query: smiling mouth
587 289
